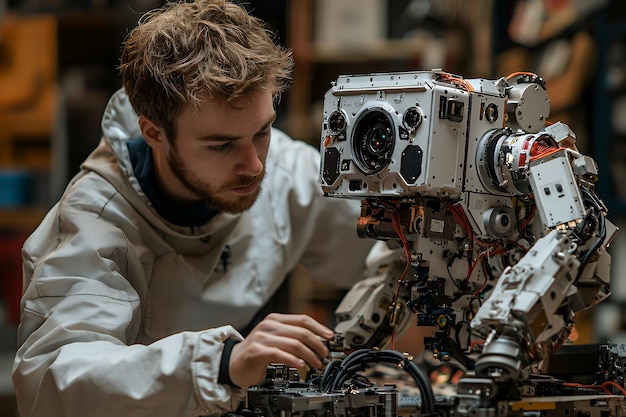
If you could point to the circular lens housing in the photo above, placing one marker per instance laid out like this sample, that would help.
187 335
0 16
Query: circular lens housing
373 141
412 118
337 122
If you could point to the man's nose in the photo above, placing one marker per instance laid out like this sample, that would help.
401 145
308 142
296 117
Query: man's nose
250 162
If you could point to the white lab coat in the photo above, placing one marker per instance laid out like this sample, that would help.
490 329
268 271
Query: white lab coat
125 314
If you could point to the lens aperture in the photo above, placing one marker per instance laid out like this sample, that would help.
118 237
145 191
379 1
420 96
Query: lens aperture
378 138
373 141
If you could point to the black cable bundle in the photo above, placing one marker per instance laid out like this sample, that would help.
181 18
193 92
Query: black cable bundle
596 215
338 372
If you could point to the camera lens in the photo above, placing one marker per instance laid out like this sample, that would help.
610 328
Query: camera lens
377 139
373 141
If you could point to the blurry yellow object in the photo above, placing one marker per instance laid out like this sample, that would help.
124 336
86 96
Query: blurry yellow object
28 89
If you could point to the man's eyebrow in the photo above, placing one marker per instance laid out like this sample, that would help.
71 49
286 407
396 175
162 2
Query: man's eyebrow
227 138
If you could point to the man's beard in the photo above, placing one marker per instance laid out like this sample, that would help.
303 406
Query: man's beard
210 196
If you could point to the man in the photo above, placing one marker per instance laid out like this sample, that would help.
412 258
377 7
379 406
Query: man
180 226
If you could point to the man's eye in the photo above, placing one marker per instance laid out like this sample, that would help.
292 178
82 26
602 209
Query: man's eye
221 148
263 134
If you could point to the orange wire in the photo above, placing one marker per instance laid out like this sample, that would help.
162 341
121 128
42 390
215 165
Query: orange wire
544 153
395 220
463 83
461 218
526 220
613 384
604 387
578 385
515 74
538 148
495 252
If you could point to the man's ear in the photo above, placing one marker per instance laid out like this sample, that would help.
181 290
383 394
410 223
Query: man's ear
153 134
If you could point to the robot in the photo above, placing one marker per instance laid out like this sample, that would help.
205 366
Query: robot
495 236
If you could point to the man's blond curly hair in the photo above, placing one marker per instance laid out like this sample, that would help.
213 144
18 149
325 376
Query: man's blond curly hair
185 50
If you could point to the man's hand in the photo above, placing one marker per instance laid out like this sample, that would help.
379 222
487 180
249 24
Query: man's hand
281 338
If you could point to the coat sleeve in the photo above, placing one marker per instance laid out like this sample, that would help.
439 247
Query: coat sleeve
80 319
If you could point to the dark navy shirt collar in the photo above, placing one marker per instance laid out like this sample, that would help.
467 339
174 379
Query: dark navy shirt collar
178 214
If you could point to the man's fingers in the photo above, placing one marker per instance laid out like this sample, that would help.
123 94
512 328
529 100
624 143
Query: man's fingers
292 346
295 340
248 361
304 321
302 328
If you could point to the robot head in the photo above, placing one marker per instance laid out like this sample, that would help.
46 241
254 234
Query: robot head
429 133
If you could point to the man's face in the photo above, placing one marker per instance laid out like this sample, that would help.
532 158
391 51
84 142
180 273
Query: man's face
219 153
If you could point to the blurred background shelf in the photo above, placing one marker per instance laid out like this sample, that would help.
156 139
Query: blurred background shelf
21 218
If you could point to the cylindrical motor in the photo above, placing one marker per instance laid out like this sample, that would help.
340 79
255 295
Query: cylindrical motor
501 359
528 106
503 156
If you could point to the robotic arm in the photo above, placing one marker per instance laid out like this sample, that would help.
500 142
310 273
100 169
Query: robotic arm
371 313
531 310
